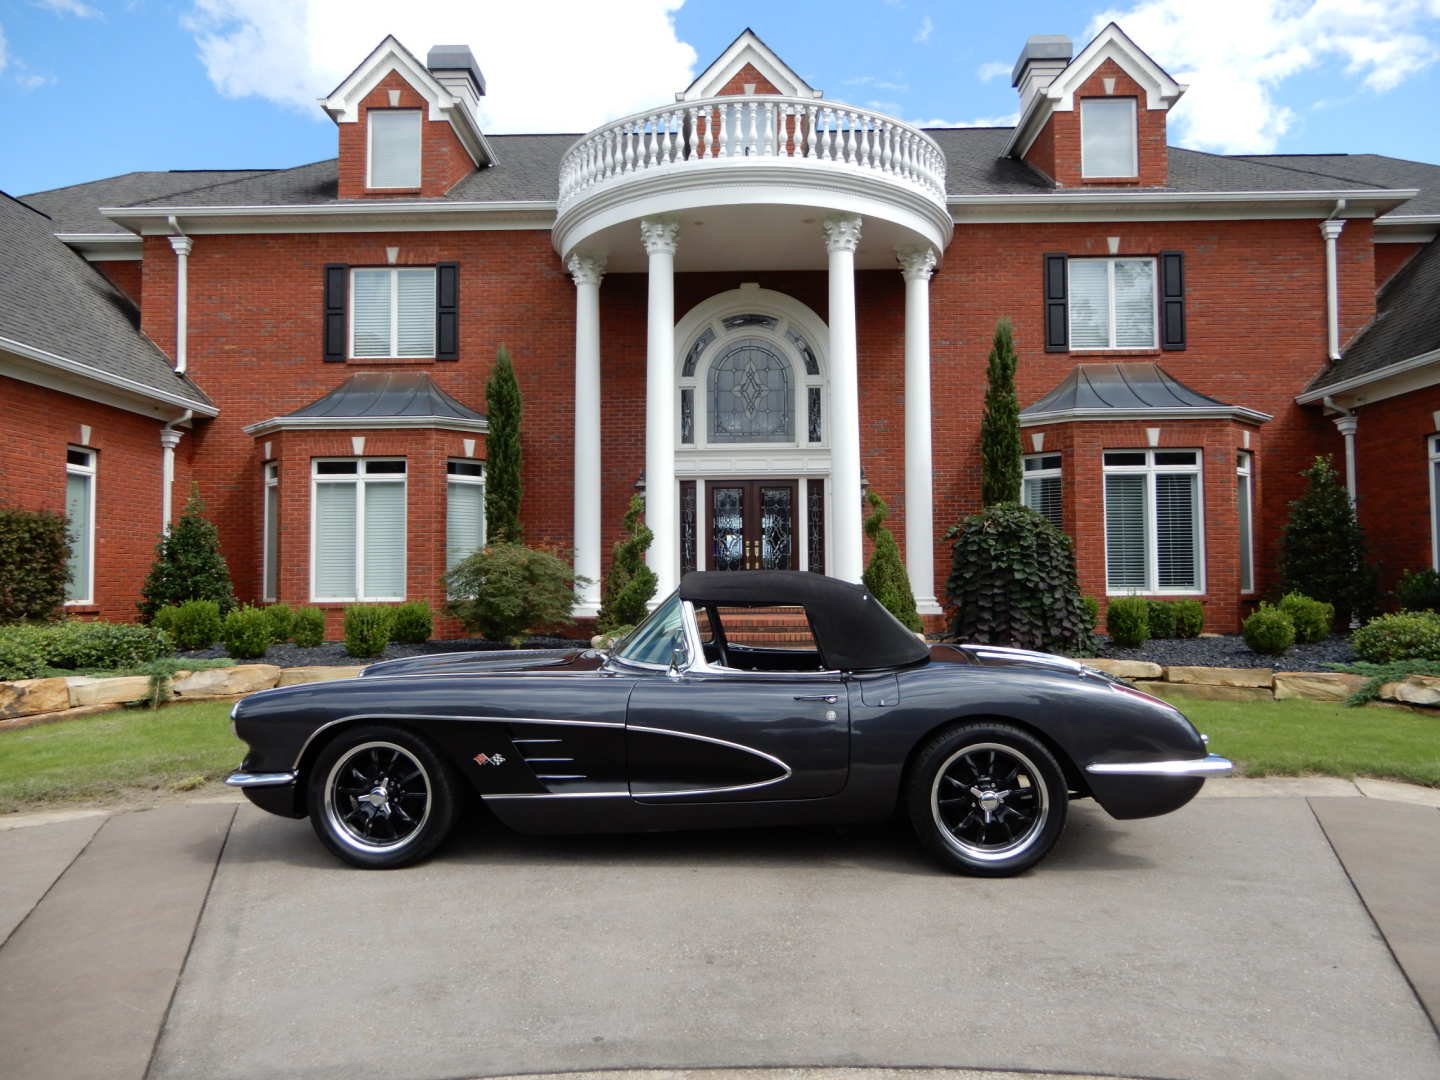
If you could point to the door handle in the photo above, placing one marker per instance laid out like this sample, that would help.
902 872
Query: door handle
828 699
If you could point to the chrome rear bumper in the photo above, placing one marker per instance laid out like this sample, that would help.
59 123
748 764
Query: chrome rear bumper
1209 765
264 779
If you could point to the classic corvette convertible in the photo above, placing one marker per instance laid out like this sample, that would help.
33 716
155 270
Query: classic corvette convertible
745 699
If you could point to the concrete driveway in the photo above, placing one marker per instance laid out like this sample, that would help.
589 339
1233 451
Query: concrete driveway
1272 933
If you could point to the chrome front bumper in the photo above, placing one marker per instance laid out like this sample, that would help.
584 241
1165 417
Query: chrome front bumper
1209 765
263 779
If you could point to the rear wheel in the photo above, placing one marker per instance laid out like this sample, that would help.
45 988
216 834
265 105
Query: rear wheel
987 799
380 798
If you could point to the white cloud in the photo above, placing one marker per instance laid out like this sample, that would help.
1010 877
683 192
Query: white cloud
878 83
927 27
1008 120
1237 54
993 70
889 108
28 80
70 7
549 65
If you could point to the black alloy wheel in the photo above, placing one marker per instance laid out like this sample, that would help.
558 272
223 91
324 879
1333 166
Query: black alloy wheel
380 798
987 799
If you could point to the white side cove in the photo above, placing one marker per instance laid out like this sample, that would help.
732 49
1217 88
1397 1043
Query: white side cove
182 246
1331 229
842 237
587 271
916 266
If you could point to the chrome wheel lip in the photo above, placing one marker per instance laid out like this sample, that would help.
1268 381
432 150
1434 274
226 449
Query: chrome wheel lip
1015 847
347 836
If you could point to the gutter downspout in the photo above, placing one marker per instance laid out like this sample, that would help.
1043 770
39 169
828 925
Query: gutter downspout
182 245
1330 228
169 439
1346 423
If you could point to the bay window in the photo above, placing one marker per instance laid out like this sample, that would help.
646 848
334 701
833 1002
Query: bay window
358 529
1245 515
1153 526
1040 488
270 545
1108 138
1112 303
394 153
464 510
80 518
392 312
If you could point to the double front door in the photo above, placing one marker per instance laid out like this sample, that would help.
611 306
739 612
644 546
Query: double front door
750 524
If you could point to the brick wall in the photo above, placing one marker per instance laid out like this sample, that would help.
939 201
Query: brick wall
444 161
749 74
1056 150
125 275
1389 258
1393 480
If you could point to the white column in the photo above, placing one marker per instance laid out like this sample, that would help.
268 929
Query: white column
661 512
169 439
587 270
182 246
916 266
1331 229
1346 425
842 237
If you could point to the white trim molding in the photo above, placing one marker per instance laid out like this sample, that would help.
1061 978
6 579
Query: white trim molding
1219 412
104 247
115 390
365 423
1118 205
375 215
1386 382
747 49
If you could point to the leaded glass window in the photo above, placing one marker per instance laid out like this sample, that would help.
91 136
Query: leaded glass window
736 322
812 365
813 398
750 398
815 523
692 357
687 416
688 530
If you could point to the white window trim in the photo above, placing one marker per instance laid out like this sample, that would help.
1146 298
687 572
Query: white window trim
358 478
272 482
370 151
1134 172
1434 463
1056 473
471 481
1110 262
394 353
1245 481
1152 545
92 471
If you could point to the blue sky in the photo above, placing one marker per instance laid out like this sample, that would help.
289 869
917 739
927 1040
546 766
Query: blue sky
92 88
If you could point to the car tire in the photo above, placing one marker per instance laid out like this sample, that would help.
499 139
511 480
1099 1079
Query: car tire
987 799
381 798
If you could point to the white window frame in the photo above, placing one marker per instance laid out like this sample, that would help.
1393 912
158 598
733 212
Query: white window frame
1152 555
1433 442
1110 262
1053 473
359 478
459 479
370 114
90 471
1085 172
394 272
271 474
1245 489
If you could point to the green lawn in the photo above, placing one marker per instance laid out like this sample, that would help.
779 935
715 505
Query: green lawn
99 757
1289 738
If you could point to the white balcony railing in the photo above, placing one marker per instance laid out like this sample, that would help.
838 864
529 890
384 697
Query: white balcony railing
763 129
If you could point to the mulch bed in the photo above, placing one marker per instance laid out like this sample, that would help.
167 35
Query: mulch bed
1230 650
333 654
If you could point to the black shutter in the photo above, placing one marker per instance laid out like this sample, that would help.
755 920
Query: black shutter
1057 311
337 289
447 309
1172 300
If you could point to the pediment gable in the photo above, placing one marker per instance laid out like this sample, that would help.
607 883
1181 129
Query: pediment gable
747 60
1112 43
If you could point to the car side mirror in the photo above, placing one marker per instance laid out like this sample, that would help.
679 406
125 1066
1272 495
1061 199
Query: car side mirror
677 661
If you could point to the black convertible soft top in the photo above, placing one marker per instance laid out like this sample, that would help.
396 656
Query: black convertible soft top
855 632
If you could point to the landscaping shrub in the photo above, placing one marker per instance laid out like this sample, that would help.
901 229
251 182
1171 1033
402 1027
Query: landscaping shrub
630 583
1418 590
1269 630
367 629
20 654
1405 635
78 645
1128 621
1380 674
1013 582
248 632
412 623
188 565
1092 611
307 627
503 488
164 619
282 622
196 624
1189 618
1323 551
34 567
1162 619
1313 619
504 590
885 577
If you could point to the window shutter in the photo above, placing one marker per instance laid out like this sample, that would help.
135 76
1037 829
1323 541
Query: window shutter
1057 318
336 286
447 309
384 540
1125 532
1172 300
335 541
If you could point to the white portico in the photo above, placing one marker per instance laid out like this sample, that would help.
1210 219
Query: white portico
752 433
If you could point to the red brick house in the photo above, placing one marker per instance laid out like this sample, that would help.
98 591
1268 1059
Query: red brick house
750 302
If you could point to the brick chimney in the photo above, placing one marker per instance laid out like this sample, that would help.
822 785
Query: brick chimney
1042 59
455 68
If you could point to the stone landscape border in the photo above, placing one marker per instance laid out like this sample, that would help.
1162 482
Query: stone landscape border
38 701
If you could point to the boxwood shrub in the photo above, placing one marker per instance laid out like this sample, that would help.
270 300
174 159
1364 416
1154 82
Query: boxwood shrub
1312 618
1162 619
281 620
79 645
412 623
1419 590
1405 635
20 654
1128 621
195 624
1189 618
1269 630
248 632
307 627
367 629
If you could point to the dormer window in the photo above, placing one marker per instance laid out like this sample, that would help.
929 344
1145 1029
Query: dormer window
394 155
1107 138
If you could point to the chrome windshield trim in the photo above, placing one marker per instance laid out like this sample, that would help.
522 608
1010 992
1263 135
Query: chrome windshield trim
1209 765
263 779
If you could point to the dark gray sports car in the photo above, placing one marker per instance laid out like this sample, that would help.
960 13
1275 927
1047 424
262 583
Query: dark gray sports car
745 699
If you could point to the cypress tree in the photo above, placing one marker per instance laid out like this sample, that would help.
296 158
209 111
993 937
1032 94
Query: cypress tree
885 577
1323 550
502 454
188 564
630 583
1000 426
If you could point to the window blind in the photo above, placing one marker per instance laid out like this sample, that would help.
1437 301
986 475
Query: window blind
1042 494
1125 533
1089 304
77 510
415 324
1244 507
1134 304
464 522
371 313
335 540
384 539
1176 547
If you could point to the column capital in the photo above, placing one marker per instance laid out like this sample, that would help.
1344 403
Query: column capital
181 244
660 237
916 263
842 232
586 269
1331 228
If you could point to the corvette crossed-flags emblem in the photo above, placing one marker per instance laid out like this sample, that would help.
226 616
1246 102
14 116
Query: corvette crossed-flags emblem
489 759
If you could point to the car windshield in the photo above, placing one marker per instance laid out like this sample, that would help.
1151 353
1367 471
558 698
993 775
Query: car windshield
655 640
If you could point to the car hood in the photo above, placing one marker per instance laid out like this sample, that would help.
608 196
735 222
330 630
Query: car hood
537 660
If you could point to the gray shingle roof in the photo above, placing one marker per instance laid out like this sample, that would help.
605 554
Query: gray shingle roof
384 394
74 209
52 299
1374 169
1406 323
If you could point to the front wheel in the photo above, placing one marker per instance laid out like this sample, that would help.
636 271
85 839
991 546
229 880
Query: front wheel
380 798
987 799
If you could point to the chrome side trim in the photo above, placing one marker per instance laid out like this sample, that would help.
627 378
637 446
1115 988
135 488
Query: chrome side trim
561 795
263 779
785 774
1209 765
